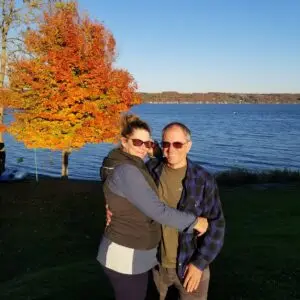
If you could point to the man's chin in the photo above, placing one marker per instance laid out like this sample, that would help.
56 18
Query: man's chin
172 161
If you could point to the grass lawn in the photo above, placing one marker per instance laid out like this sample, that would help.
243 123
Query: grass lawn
49 235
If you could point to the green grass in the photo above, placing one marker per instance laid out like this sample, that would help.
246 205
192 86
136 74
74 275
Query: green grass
50 232
260 258
237 176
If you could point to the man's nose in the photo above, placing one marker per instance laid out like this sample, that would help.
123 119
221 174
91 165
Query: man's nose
171 148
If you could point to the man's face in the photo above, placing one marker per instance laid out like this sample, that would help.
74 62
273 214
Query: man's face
176 156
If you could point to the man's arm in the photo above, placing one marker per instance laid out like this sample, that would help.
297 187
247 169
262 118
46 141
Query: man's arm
212 242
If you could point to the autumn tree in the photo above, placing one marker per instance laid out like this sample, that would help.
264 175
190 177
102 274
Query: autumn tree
70 91
14 17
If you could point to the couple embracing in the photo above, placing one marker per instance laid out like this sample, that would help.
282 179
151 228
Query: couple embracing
165 219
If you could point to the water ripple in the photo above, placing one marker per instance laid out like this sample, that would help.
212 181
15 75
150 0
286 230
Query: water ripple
256 137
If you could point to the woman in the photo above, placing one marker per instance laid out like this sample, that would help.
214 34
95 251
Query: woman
128 247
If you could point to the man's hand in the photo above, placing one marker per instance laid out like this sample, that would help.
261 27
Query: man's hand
108 215
201 225
192 277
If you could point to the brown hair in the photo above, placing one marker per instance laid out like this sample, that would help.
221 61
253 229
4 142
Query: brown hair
130 122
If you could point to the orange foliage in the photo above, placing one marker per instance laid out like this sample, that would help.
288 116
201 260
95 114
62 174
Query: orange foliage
68 88
2 127
8 98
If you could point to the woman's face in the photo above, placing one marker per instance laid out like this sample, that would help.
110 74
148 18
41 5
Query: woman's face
138 143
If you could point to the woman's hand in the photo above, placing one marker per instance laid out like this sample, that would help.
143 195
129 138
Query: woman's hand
108 215
201 225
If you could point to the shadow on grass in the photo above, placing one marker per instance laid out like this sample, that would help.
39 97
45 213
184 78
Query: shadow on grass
50 233
80 280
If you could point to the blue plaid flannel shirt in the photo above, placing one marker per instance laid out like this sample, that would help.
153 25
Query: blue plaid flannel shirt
200 196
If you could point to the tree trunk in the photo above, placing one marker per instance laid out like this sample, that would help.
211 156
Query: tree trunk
65 164
3 63
2 158
2 146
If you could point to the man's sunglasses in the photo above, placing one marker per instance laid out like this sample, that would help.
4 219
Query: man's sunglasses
176 145
139 143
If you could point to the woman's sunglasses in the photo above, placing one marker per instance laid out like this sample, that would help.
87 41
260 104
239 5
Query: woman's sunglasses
176 145
139 143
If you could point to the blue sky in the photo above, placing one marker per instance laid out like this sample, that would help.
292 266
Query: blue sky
205 45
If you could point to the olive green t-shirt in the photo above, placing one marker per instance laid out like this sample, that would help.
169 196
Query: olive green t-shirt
169 191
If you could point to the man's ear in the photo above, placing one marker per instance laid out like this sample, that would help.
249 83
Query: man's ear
189 146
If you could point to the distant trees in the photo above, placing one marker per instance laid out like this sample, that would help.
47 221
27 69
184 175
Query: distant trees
68 89
240 98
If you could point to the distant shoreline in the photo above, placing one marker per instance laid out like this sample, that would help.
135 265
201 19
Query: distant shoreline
218 98
221 103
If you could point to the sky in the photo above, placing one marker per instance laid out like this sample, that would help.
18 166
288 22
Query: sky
243 46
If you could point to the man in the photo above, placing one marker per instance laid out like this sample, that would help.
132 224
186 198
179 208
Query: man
185 258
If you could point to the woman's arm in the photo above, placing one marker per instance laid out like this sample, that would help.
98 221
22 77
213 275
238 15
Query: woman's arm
127 181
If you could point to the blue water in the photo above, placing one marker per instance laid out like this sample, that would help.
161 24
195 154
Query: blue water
256 137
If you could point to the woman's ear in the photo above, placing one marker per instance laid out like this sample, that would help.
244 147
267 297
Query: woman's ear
124 142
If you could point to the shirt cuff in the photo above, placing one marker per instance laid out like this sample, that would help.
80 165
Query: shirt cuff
200 263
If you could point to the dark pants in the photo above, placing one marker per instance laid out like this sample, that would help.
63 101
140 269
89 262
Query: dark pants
165 278
128 287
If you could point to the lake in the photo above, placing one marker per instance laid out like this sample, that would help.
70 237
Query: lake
255 137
